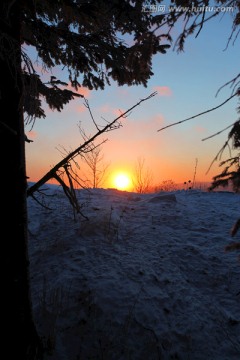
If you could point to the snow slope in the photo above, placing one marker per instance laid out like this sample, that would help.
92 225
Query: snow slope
145 278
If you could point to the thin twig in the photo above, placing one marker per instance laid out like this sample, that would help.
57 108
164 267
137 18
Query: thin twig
201 23
227 83
90 112
40 203
202 113
219 154
218 133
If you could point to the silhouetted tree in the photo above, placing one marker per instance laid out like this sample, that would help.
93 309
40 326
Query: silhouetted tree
83 37
96 41
142 178
230 174
93 156
97 168
200 12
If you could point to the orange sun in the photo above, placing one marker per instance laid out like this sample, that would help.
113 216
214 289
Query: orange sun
122 181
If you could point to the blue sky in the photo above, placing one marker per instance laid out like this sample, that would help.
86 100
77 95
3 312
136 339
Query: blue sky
187 84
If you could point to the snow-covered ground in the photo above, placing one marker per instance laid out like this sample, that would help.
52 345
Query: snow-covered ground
145 278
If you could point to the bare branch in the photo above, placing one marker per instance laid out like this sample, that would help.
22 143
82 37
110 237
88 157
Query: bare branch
202 113
52 173
201 23
232 82
90 112
218 133
40 203
219 154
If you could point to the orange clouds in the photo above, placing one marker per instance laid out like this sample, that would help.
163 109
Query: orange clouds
163 90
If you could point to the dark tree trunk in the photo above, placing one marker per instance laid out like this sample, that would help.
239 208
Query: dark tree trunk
20 335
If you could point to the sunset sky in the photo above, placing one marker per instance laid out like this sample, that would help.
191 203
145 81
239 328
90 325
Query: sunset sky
186 83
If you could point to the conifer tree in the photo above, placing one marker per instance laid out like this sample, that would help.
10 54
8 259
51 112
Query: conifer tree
97 41
84 37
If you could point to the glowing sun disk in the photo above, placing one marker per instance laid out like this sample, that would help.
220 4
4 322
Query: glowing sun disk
122 181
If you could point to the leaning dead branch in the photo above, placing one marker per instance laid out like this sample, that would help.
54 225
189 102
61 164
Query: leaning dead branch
63 167
70 191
